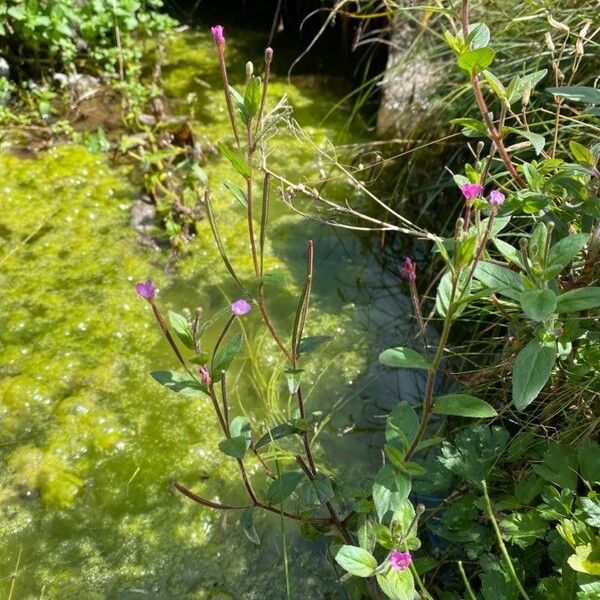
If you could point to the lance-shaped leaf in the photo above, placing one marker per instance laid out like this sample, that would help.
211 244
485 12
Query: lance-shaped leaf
463 405
237 162
499 279
180 382
182 328
284 486
247 524
579 299
225 355
531 371
278 432
538 305
237 193
403 358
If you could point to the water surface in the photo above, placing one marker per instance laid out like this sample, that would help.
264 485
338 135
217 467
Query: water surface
89 442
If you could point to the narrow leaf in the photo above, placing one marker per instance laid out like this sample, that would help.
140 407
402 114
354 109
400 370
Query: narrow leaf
463 405
403 358
237 192
180 382
580 299
237 162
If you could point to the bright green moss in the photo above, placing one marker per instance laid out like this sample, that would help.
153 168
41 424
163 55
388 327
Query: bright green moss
89 442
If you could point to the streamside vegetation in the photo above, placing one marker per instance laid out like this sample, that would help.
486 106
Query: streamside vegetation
488 486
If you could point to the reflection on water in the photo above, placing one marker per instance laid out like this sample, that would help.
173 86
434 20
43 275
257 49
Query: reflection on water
89 443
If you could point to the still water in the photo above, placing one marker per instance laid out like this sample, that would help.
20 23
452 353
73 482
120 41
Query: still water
89 442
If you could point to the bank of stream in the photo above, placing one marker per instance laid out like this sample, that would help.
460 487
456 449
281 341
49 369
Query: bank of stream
89 443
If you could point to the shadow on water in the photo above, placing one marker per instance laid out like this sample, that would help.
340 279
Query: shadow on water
89 443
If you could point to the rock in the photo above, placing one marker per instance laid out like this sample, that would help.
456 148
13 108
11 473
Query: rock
408 82
4 68
143 215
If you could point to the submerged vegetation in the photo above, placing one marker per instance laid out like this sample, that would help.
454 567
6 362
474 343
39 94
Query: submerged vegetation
289 256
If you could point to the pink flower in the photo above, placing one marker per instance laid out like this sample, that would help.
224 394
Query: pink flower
408 270
497 198
217 33
205 375
400 560
471 190
146 290
240 307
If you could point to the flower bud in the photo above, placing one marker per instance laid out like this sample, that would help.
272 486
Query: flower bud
217 33
249 70
268 55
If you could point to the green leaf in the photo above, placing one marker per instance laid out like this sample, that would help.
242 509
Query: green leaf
247 524
559 466
356 561
226 310
588 95
293 377
316 492
239 102
401 426
181 383
389 490
444 293
499 279
252 96
531 371
523 529
519 86
579 299
537 141
240 426
582 155
479 35
471 127
182 328
225 355
510 253
564 251
237 192
284 486
495 84
403 358
474 61
237 162
397 585
278 432
235 446
538 305
463 405
310 344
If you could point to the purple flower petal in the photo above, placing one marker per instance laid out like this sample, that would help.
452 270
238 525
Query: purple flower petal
240 307
400 560
217 33
146 290
471 190
497 198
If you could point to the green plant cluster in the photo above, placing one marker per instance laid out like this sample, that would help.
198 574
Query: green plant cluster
506 508
45 36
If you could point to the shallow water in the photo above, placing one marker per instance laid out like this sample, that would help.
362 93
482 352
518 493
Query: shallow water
89 442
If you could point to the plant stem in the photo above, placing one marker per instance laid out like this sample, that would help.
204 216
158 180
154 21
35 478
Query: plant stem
503 550
223 66
165 329
494 133
466 581
428 399
199 500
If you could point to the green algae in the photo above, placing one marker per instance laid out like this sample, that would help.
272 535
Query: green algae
89 443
